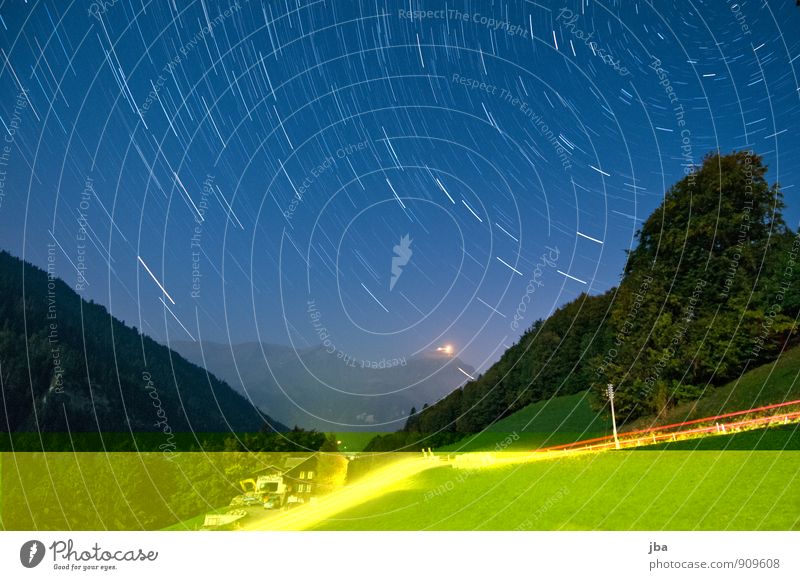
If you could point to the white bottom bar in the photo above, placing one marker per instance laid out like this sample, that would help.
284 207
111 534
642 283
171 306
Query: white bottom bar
355 555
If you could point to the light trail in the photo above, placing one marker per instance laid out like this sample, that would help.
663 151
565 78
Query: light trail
155 279
505 231
397 197
571 277
672 431
599 170
499 259
589 237
370 486
466 373
177 319
373 297
439 183
472 211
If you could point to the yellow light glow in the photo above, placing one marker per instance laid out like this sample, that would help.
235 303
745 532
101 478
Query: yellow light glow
375 484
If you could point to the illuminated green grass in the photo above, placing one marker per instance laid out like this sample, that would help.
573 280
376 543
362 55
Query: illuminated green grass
628 490
552 422
354 441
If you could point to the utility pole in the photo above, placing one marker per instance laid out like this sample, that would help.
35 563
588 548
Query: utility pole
613 417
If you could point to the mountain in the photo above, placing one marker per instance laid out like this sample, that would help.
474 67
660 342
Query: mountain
709 291
67 365
314 389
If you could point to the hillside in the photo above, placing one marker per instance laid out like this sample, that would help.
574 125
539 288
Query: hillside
571 418
304 386
774 382
67 365
555 421
709 291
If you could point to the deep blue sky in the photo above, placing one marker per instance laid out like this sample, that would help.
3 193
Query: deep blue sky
326 131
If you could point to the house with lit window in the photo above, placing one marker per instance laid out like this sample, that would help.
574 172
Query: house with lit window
300 478
290 482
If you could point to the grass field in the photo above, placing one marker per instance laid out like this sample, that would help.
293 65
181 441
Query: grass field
355 441
627 490
194 523
552 422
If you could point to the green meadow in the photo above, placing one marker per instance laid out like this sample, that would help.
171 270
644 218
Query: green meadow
552 422
625 490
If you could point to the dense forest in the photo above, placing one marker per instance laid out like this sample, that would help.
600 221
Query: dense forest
708 292
68 367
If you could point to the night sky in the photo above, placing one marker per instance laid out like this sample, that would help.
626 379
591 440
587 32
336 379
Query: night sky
381 178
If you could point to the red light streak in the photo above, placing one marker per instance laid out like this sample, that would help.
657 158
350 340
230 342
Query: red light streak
670 432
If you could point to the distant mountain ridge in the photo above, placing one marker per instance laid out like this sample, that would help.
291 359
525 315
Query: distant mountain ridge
328 393
67 365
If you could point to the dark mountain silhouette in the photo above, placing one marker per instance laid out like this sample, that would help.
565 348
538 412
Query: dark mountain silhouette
68 365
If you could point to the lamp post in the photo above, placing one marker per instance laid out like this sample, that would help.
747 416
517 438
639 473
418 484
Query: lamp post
613 417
